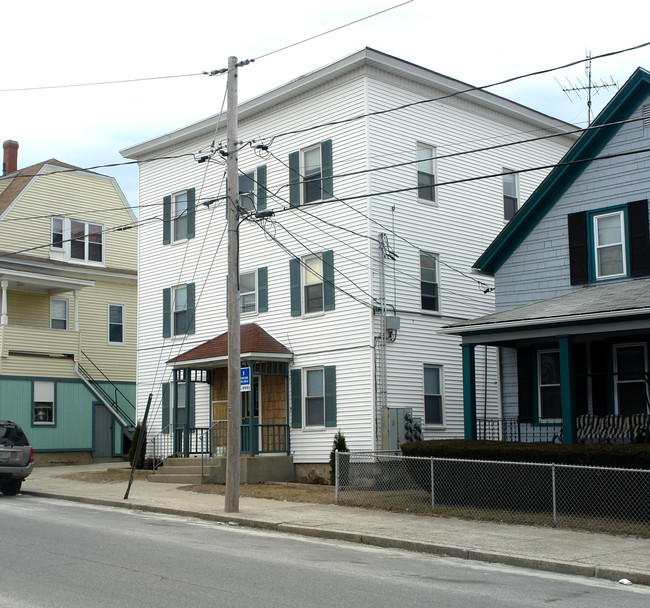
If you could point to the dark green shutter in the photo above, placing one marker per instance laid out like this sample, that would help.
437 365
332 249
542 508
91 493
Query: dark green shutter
296 399
165 408
191 309
262 289
191 212
167 220
525 358
326 169
167 312
261 187
578 248
330 395
637 221
294 179
328 280
191 400
294 286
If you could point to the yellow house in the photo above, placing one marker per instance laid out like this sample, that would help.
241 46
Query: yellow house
68 309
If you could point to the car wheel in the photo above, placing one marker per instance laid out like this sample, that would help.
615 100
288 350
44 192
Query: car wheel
11 488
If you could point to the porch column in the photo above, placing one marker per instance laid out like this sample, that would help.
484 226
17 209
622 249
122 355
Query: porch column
469 390
567 389
75 324
189 413
4 318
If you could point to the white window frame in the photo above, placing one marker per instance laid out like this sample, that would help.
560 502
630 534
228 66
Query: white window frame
175 311
179 220
427 166
306 397
62 248
305 270
243 293
436 260
43 402
510 179
597 246
122 324
314 176
66 320
58 232
540 386
250 195
617 347
440 394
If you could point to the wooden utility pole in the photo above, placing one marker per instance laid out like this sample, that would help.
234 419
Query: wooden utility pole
234 346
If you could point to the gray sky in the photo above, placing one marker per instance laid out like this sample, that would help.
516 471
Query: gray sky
82 41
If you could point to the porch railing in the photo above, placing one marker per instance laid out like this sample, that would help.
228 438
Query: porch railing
513 429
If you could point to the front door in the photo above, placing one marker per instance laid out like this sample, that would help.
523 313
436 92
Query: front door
250 405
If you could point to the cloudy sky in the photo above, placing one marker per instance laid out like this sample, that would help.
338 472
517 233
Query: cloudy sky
49 44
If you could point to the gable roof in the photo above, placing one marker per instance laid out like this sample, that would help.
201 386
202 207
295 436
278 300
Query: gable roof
254 341
589 145
21 179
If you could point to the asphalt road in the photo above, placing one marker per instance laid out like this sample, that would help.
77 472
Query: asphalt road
58 554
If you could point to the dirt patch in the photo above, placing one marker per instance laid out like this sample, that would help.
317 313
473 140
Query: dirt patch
289 492
108 476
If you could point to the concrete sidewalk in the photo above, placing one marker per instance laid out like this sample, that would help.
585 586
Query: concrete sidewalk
580 553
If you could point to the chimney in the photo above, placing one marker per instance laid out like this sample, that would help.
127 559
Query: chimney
10 163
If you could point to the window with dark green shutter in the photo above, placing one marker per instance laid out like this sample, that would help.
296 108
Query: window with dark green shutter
312 284
311 174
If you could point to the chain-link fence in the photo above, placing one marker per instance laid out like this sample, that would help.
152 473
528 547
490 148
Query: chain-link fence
598 499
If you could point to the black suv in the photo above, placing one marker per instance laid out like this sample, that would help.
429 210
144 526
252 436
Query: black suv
16 457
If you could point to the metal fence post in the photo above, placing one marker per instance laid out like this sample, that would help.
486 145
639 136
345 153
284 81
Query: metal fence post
554 496
336 477
433 504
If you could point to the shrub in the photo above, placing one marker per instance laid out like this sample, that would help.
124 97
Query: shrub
134 444
340 446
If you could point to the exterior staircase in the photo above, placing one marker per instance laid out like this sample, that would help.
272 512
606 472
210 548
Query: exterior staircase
253 469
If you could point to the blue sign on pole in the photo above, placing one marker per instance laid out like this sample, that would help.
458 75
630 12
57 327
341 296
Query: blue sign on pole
245 379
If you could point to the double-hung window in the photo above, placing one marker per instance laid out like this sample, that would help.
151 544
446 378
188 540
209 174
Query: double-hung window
312 283
510 194
43 403
310 174
178 310
77 240
313 397
252 189
426 172
429 288
58 313
178 216
609 245
549 394
116 324
248 292
433 394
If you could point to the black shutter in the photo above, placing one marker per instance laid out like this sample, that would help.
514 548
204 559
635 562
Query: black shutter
637 219
578 248
524 359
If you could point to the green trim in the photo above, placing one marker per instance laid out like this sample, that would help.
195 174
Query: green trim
263 289
296 398
589 145
329 387
469 390
294 287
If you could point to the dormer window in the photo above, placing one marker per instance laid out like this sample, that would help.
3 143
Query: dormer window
77 240
609 245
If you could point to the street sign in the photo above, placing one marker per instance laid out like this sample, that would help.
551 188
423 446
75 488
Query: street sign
245 379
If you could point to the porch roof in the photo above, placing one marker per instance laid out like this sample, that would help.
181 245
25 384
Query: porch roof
620 303
255 344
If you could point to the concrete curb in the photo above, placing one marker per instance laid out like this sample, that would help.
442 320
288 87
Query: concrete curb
558 567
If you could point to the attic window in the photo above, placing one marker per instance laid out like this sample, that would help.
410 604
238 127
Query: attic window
645 113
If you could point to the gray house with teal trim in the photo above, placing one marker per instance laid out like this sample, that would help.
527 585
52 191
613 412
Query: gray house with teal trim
572 276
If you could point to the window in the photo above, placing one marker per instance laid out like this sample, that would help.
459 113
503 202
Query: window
432 394
248 292
312 283
178 216
252 189
549 397
631 386
510 194
77 240
310 174
429 282
609 245
426 172
116 324
313 397
43 405
178 310
58 313
57 232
